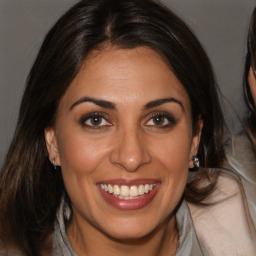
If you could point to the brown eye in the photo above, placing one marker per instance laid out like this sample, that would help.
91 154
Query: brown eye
94 120
161 120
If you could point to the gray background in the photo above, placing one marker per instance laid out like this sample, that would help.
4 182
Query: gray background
221 26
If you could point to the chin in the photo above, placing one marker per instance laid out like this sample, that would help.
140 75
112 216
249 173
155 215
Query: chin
131 235
129 230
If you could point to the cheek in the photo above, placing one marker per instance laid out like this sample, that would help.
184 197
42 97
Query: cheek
79 155
252 84
173 154
253 92
81 159
174 151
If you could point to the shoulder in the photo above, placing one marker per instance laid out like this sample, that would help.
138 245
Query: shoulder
240 157
224 226
228 187
241 160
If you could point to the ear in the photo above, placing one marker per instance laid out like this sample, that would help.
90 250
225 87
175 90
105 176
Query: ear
252 83
51 144
196 141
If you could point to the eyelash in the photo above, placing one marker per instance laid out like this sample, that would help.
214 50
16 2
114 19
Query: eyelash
103 117
90 116
170 119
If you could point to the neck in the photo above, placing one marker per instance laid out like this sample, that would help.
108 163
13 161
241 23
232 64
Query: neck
90 241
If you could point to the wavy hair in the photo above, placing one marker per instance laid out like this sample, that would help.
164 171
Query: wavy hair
30 190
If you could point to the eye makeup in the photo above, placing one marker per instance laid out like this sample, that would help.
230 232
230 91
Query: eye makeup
161 120
100 120
94 120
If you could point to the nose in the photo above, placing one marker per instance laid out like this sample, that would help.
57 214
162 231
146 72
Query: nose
130 152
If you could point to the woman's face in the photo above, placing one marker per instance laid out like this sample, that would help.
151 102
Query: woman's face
252 84
123 138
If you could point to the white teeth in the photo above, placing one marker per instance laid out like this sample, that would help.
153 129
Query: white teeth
134 191
110 189
141 190
116 190
126 192
146 188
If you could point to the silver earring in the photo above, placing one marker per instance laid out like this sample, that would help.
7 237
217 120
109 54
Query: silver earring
196 161
53 163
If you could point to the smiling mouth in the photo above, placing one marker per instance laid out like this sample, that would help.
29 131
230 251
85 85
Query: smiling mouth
128 192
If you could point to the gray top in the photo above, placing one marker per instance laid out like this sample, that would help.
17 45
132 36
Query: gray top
241 159
225 227
188 243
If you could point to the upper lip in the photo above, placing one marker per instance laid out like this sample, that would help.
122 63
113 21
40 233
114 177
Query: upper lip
129 182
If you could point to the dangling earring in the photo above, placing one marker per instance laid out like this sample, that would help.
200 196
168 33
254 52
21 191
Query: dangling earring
53 163
196 161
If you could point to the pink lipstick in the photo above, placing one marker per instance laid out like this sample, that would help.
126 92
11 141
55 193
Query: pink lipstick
129 194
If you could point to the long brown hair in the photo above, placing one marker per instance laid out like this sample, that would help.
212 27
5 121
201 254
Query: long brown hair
30 190
250 125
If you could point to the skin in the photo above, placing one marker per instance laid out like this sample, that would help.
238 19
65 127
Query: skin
128 143
252 84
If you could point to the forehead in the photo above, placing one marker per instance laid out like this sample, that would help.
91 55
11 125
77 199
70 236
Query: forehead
126 76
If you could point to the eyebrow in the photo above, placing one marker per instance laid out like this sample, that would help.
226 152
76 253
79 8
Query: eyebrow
158 102
98 102
110 105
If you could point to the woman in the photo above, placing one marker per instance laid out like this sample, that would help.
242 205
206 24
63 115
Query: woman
121 99
241 150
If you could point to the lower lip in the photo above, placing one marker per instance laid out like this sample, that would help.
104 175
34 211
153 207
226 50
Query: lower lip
131 204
